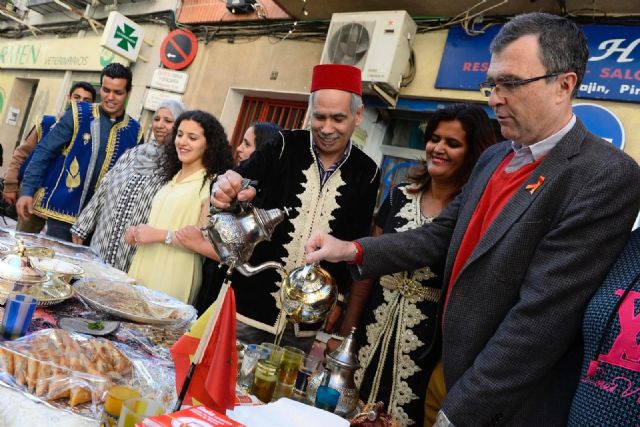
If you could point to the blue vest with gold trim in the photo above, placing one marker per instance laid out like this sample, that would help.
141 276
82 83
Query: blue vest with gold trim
42 129
66 186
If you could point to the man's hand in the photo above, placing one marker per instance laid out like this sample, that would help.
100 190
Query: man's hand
227 188
77 239
10 197
332 318
322 246
24 207
332 345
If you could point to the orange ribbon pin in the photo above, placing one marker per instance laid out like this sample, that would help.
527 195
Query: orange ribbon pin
534 187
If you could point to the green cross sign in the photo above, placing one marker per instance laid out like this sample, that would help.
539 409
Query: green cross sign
125 34
121 36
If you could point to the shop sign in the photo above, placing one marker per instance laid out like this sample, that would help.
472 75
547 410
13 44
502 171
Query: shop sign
123 36
73 54
613 70
174 81
155 97
602 122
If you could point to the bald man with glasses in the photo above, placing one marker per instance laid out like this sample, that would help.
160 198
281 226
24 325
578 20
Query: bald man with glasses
526 243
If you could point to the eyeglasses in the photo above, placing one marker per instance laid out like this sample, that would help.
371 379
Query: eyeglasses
509 86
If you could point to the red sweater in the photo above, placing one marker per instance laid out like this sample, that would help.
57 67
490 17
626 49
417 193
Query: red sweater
500 188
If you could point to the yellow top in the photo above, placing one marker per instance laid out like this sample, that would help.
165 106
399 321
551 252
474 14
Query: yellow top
166 268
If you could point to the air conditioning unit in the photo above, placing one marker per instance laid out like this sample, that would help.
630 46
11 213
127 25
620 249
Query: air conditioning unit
379 43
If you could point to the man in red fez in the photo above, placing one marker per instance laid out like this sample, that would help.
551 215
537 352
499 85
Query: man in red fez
329 183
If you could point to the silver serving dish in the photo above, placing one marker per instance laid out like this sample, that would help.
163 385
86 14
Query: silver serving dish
66 270
16 266
53 291
133 302
45 246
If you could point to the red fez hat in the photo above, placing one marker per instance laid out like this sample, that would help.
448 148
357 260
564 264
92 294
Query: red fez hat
337 76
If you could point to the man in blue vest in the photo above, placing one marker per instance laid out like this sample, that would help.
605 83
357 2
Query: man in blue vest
69 163
79 92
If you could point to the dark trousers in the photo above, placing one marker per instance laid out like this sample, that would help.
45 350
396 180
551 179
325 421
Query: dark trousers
58 229
33 224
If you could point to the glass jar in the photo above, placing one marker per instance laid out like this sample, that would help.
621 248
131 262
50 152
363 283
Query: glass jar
291 361
264 380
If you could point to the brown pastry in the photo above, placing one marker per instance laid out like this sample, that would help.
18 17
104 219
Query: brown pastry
54 365
7 361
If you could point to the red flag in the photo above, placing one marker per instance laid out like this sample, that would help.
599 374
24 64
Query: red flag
214 380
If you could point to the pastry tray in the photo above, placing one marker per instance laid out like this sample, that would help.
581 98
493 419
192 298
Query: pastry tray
154 298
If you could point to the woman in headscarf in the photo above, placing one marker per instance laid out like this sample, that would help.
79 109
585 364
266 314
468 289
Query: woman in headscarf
124 196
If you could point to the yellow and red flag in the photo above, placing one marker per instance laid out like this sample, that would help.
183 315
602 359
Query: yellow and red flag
214 381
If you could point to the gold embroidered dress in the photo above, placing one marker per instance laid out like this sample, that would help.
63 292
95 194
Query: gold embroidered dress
398 330
174 271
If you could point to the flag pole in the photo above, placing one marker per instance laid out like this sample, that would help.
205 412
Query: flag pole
204 340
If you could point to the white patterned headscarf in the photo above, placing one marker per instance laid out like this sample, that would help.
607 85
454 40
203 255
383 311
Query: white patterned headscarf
175 107
148 154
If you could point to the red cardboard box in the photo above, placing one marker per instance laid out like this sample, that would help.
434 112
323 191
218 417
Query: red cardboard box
196 416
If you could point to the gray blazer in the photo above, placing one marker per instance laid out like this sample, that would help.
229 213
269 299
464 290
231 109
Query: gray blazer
511 330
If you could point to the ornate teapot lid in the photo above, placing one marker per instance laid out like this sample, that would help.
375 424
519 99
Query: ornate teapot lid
345 355
16 266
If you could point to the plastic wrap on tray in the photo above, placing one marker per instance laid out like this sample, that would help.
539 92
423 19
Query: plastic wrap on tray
73 372
8 238
134 302
97 269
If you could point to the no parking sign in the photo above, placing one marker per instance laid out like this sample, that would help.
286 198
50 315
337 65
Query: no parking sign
178 49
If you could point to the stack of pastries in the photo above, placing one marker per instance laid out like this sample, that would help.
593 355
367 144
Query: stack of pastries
55 364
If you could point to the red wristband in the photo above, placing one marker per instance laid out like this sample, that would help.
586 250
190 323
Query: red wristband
357 260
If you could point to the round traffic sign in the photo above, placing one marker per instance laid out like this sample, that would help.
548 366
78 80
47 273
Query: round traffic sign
178 49
601 121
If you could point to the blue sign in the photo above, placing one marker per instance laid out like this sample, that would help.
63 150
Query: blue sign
613 70
418 105
602 122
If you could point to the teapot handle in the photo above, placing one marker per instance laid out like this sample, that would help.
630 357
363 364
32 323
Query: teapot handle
307 269
235 205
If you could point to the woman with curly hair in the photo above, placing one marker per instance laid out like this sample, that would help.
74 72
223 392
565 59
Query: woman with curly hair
398 332
167 259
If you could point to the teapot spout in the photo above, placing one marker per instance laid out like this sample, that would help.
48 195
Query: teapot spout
250 270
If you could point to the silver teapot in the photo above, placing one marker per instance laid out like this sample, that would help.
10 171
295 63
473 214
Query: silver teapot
235 235
337 372
307 293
